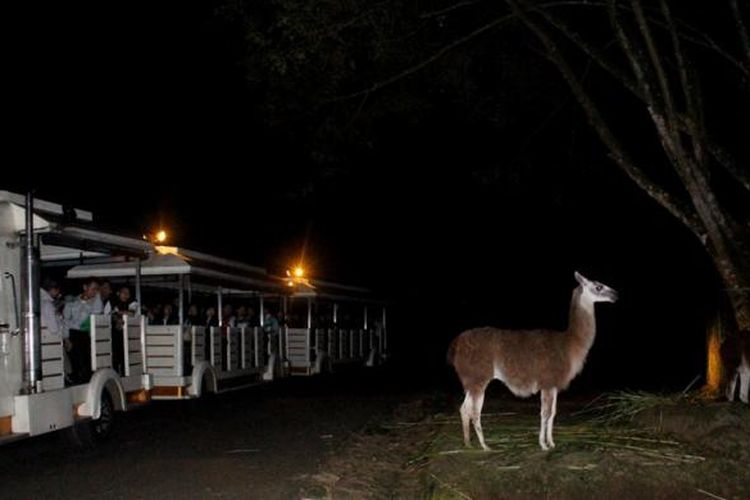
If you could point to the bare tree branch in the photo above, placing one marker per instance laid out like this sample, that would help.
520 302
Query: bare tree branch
447 10
690 88
592 52
703 40
617 152
632 55
425 62
653 53
742 30
740 172
587 48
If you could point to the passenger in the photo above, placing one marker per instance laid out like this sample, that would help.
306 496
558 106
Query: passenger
155 315
168 316
242 317
51 321
272 329
148 311
77 316
192 318
227 316
211 318
252 317
123 303
105 294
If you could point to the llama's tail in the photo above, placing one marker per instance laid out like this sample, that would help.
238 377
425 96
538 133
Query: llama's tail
451 355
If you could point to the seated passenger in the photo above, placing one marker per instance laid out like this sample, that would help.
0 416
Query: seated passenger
272 329
192 318
51 322
168 316
227 316
105 295
243 320
77 317
123 303
211 318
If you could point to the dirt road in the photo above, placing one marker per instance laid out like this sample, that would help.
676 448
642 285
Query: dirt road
253 443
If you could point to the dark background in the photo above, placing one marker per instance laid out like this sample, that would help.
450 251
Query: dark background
462 217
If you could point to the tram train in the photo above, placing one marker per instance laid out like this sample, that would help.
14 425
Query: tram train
318 326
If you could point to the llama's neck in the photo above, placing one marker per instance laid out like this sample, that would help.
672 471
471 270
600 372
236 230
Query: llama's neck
582 324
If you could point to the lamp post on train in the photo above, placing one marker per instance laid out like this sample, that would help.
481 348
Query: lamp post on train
297 276
158 237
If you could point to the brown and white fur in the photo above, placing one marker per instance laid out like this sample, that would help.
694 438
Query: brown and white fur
741 370
527 361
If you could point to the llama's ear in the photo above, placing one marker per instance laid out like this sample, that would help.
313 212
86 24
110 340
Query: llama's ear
579 278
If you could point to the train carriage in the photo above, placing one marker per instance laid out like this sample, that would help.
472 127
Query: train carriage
34 397
188 360
130 361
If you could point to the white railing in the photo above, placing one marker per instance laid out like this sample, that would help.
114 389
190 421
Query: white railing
133 332
233 349
101 342
249 348
164 350
298 347
53 375
215 346
197 344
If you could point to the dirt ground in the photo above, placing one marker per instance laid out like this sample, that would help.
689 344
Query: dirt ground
683 450
368 435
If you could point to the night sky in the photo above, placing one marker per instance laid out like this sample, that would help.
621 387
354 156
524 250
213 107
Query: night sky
471 204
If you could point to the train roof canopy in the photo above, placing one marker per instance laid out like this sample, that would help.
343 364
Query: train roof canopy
173 261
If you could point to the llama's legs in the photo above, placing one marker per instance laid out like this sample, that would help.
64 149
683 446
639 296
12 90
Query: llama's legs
732 385
476 417
466 418
551 419
544 417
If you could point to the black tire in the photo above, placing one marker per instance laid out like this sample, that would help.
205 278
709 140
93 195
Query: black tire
207 392
94 432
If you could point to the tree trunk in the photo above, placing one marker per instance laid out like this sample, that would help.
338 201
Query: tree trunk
715 365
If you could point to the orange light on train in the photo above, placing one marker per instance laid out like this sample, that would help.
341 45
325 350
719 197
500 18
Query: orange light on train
161 236
299 272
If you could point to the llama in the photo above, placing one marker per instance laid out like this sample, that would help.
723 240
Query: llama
742 370
527 361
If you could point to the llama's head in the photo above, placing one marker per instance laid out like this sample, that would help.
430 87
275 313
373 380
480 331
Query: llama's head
595 291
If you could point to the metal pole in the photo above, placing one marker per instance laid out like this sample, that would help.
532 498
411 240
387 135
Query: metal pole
365 326
220 312
335 314
138 285
181 308
309 313
33 333
262 313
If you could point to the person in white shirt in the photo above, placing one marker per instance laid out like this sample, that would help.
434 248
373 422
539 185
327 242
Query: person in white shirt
51 322
77 314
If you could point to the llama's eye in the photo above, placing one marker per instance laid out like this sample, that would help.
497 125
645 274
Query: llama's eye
598 288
